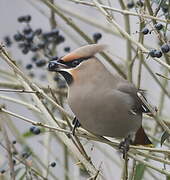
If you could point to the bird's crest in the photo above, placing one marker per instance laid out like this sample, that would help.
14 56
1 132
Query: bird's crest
85 51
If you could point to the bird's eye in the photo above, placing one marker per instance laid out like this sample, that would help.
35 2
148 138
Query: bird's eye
75 63
52 65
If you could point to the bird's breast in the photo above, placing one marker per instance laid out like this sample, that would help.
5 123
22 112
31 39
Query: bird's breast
104 111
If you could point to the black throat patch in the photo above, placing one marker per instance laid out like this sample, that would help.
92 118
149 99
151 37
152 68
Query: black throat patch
67 76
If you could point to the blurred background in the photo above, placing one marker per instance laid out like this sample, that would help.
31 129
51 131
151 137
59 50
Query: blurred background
46 147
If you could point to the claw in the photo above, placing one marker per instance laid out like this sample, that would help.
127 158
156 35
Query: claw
76 125
124 146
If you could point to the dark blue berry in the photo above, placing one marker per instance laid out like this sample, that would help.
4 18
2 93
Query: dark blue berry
32 128
54 32
18 37
97 36
34 58
14 161
158 53
158 26
25 155
139 3
36 131
59 39
26 18
145 31
67 49
152 52
29 37
165 48
29 66
25 50
14 142
27 30
53 164
46 35
7 41
2 171
130 4
38 31
21 19
41 62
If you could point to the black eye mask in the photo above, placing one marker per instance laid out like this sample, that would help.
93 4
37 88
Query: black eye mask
73 63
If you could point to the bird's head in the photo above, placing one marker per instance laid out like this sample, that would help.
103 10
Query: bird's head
74 59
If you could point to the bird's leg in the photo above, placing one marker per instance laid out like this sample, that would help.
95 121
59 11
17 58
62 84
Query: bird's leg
124 146
76 125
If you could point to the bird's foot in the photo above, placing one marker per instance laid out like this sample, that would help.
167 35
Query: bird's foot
124 146
76 125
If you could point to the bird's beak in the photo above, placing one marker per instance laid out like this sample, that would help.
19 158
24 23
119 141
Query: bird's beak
56 65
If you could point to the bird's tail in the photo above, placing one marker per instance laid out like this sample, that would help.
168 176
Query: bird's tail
141 138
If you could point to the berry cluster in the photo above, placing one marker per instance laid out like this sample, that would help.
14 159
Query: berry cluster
25 154
165 48
155 53
157 27
140 3
41 44
35 40
38 43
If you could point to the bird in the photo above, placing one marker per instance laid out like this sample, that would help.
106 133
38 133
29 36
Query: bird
104 103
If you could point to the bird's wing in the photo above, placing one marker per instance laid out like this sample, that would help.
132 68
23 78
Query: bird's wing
144 107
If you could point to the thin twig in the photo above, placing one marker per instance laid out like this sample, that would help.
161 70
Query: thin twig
124 12
34 122
83 133
18 91
164 126
158 8
8 146
132 174
141 56
162 76
125 169
148 164
128 43
17 86
17 101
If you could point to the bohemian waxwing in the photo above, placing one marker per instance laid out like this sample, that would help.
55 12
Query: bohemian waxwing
104 103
